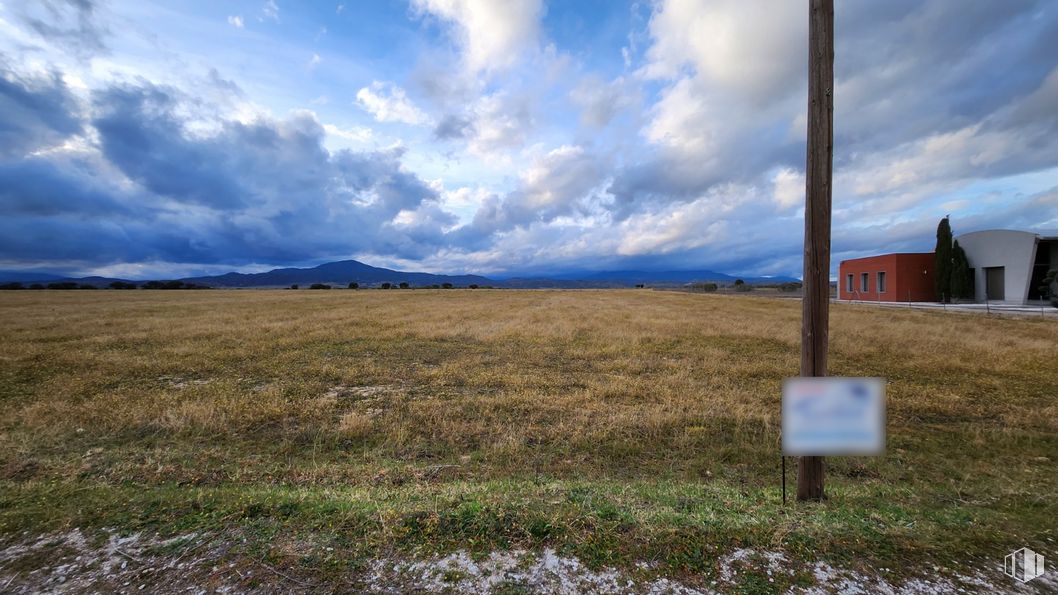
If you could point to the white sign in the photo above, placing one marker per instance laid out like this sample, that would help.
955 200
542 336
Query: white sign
833 416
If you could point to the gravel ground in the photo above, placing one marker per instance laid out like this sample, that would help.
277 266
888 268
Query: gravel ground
72 562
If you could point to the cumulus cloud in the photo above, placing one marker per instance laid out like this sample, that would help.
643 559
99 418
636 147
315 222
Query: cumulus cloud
732 89
681 227
499 121
492 35
356 133
600 101
389 103
914 119
236 21
1021 136
789 188
753 49
558 183
453 127
685 152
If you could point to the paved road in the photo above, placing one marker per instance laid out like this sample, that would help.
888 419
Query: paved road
1047 311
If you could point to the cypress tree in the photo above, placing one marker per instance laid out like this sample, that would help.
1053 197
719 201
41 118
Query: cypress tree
942 261
961 282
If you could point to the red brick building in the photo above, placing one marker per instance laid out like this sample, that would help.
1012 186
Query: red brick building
888 278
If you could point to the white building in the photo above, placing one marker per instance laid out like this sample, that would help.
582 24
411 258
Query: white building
1007 265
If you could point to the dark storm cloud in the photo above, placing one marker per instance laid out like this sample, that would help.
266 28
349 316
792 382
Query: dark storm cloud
264 191
39 187
140 135
34 113
909 69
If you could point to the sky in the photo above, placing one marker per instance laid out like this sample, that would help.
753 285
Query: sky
145 140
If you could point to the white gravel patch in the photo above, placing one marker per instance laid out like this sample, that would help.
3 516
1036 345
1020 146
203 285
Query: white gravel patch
71 562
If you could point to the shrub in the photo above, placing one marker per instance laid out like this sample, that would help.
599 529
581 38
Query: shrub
122 285
704 286
386 285
446 286
294 286
319 286
403 285
86 286
172 285
790 286
12 285
743 286
36 286
472 286
1049 287
62 285
354 285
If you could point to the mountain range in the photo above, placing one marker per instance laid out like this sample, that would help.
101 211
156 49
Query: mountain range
343 272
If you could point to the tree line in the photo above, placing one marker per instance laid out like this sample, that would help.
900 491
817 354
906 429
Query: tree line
389 285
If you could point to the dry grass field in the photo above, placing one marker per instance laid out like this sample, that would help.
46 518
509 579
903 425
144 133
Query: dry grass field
324 428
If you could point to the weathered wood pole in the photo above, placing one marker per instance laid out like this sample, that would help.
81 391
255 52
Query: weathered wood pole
816 301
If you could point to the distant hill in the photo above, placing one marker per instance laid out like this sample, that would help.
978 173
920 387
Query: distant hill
30 278
343 272
27 277
666 277
339 273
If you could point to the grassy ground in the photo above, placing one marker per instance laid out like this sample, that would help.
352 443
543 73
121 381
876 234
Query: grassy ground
617 426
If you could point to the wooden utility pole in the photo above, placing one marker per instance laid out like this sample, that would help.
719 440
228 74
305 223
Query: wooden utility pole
816 302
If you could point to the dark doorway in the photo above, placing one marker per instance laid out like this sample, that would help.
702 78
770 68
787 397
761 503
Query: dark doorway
995 283
1040 267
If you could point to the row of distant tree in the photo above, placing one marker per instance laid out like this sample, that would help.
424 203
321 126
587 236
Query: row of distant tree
387 285
113 285
740 286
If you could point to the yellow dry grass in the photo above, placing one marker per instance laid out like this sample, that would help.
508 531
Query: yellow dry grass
563 381
623 424
621 382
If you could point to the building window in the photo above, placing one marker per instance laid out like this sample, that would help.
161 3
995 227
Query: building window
848 283
881 282
864 281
